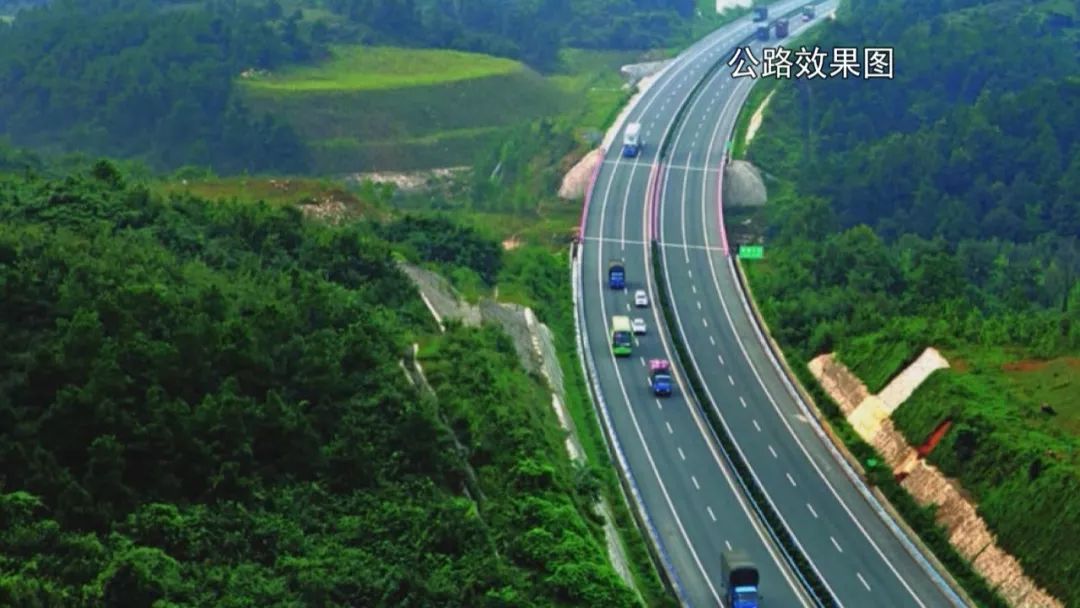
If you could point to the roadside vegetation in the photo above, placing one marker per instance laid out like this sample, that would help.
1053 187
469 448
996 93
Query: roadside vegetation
940 209
205 406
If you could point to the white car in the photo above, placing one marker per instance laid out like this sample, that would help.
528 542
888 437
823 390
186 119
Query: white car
638 326
641 299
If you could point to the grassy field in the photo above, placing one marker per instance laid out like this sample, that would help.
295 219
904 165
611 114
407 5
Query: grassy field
1020 463
361 68
382 108
875 358
1026 385
1055 382
404 109
275 191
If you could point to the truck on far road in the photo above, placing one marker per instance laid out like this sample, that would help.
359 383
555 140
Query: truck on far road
632 140
660 377
740 580
781 28
808 12
761 13
763 32
616 274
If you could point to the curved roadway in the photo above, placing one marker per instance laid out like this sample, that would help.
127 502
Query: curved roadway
690 496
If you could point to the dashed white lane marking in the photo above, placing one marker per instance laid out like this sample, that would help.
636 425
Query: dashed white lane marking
699 305
696 485
790 478
712 340
659 405
836 544
757 426
812 511
863 581
727 543
742 401
773 452
628 306
681 454
705 321
711 514
642 361
730 380
693 288
669 429
721 357
690 273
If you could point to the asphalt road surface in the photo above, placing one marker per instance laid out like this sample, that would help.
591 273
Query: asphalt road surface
691 497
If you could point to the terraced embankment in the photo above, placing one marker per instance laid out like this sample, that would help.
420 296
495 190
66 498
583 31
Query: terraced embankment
377 108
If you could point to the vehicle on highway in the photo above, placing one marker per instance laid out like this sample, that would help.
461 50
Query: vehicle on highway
740 580
761 13
660 377
632 140
639 327
808 13
782 28
616 273
641 299
763 32
622 338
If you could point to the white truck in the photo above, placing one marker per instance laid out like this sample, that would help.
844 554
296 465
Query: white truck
632 140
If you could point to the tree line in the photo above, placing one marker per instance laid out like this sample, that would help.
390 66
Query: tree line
133 78
532 31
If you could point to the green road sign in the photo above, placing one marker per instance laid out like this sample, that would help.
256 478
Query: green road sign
751 252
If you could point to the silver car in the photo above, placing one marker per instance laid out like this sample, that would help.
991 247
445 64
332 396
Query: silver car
638 325
641 299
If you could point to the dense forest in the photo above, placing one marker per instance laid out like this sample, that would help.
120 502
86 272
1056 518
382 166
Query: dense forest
204 405
941 208
126 78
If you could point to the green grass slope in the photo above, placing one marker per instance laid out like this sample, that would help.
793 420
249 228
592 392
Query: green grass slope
1022 463
387 108
355 68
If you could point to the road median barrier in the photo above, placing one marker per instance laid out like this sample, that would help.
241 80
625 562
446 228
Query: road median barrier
764 508
898 506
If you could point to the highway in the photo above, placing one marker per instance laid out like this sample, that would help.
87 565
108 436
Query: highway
692 501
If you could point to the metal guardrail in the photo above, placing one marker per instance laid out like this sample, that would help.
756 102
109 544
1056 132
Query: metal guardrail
610 436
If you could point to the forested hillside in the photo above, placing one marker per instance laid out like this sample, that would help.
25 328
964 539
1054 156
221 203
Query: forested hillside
157 80
129 79
203 405
531 31
943 208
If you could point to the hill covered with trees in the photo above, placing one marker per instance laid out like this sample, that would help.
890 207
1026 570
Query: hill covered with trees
157 80
941 208
203 404
127 78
